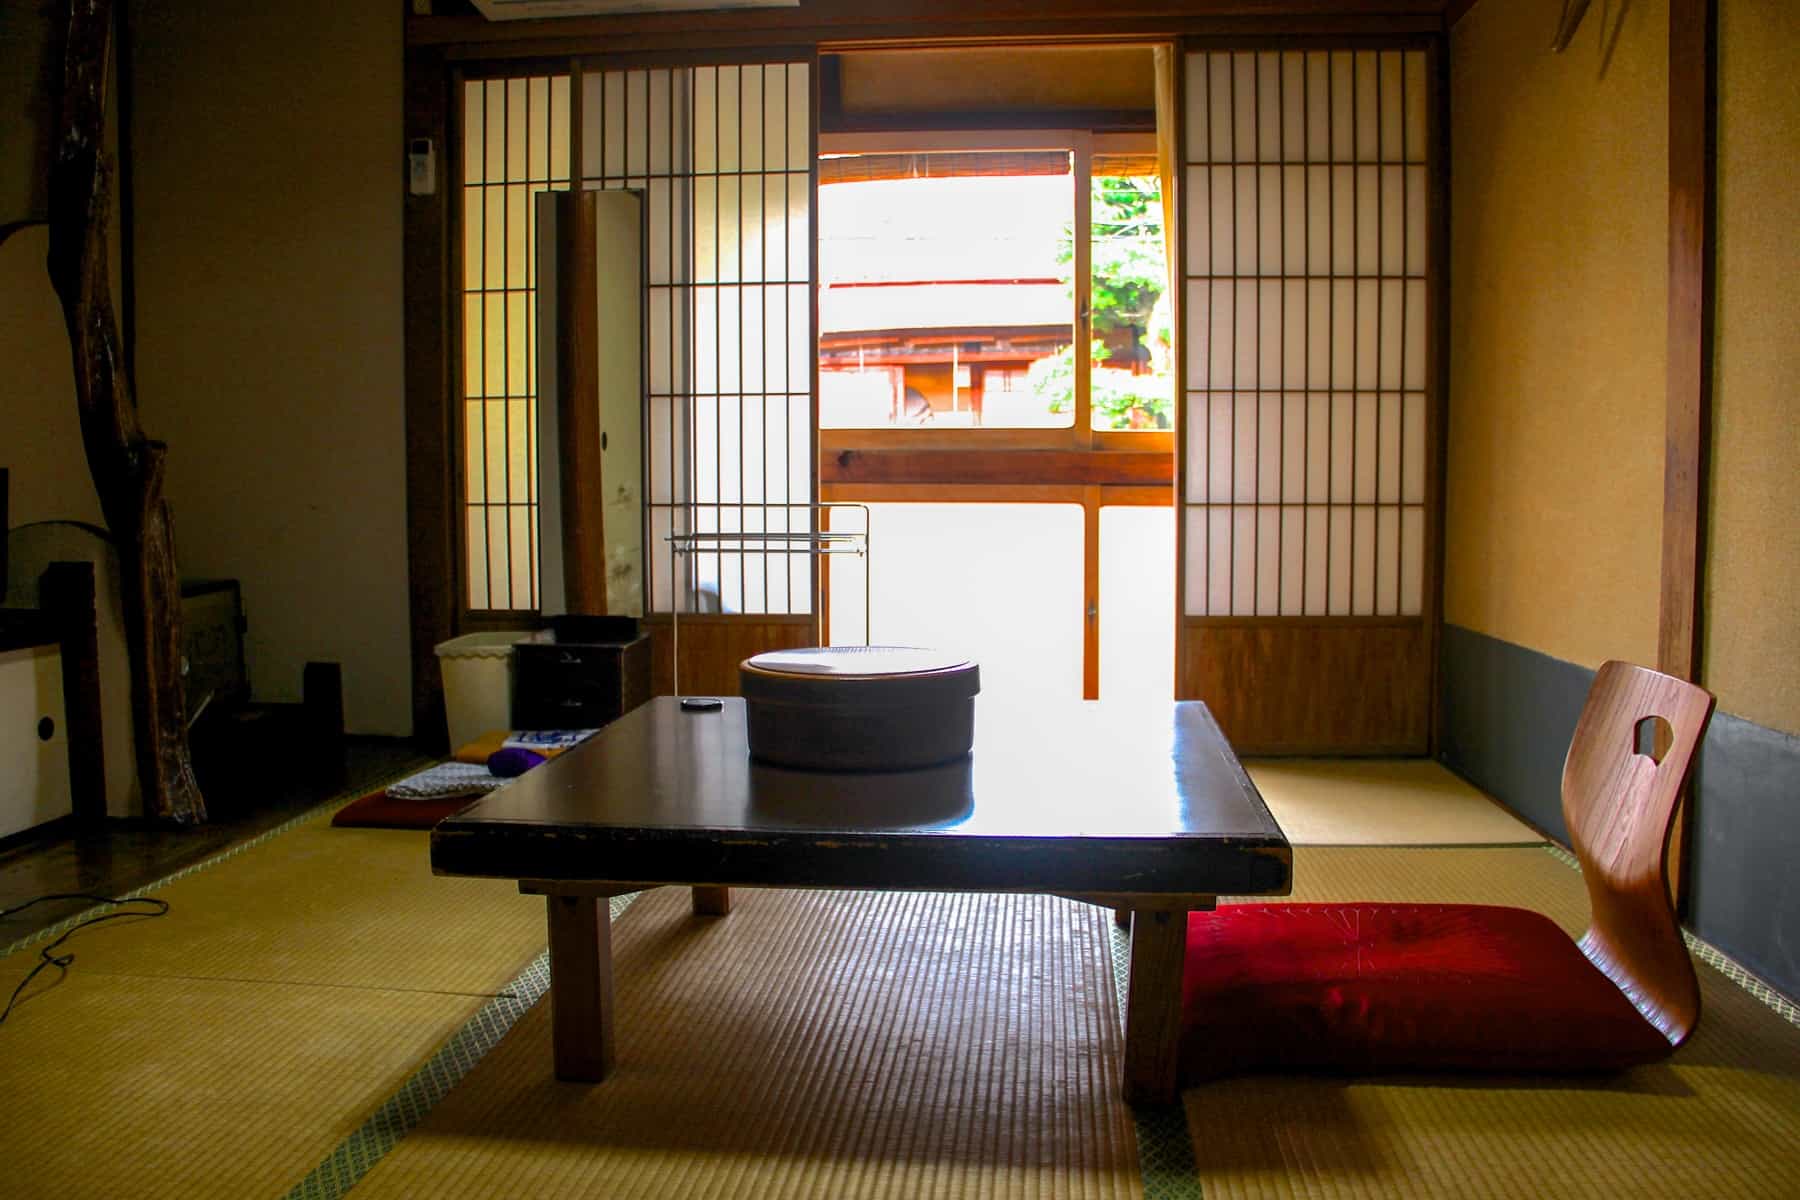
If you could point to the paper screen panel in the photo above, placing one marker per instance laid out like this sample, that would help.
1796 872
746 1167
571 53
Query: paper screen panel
1305 325
722 156
514 145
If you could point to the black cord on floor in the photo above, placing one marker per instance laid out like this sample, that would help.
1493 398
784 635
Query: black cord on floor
153 908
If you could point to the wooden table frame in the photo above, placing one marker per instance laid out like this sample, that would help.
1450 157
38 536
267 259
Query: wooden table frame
1134 808
583 1014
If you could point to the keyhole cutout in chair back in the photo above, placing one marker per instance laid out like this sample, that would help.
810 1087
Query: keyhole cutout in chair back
1653 736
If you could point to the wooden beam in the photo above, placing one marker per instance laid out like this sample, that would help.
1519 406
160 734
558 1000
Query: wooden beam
434 526
1693 26
1456 10
853 22
1085 468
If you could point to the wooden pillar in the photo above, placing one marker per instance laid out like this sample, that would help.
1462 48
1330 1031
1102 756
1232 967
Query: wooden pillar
1693 26
435 517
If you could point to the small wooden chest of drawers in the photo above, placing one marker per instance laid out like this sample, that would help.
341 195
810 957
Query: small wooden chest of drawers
578 685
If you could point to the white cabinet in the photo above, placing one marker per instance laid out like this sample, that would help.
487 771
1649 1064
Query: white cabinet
34 744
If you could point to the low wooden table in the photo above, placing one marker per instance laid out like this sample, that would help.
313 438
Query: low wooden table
1140 810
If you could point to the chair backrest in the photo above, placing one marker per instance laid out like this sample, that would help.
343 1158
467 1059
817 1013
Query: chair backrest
1619 804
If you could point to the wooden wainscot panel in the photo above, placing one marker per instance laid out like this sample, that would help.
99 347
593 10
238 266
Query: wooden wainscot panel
1289 686
712 646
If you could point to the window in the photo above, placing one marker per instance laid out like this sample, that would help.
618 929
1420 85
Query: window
934 266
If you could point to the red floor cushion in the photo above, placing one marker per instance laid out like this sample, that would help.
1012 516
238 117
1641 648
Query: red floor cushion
378 810
1368 988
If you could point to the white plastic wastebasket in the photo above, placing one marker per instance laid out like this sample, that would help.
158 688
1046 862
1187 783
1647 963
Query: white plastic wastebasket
478 682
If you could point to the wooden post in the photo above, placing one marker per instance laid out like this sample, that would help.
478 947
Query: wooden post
1692 104
712 901
1153 1005
127 466
581 986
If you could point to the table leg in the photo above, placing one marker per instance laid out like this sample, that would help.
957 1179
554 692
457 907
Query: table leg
581 987
1153 1006
712 901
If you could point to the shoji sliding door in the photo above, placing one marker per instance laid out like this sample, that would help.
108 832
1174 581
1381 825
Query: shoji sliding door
514 146
1308 577
723 157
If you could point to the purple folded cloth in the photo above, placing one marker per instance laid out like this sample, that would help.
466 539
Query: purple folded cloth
513 760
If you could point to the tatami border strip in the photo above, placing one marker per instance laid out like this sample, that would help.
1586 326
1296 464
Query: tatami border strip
1715 958
330 805
357 1154
1165 1144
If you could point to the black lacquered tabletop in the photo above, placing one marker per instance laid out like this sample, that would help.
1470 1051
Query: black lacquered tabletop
1066 796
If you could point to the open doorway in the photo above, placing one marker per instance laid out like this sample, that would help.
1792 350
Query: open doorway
996 384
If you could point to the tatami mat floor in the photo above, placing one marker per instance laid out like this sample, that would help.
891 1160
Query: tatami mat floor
1382 802
315 995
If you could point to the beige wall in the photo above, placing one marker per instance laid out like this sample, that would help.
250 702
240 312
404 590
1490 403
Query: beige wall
268 171
40 427
1558 256
1752 626
26 72
40 430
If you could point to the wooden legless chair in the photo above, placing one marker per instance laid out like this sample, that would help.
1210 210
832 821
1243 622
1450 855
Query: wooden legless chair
1619 806
1384 987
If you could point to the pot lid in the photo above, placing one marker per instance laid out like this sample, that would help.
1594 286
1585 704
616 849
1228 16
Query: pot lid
858 662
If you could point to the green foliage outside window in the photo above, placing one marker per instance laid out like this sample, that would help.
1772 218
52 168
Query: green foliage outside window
1130 309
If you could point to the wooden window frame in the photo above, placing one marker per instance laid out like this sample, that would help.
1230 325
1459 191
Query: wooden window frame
1083 145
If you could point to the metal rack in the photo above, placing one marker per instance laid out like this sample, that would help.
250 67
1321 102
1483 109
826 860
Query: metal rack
817 542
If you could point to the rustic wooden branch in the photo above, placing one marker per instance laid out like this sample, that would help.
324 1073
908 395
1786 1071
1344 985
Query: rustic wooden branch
126 465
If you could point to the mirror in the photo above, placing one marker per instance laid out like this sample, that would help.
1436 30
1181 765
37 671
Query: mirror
590 403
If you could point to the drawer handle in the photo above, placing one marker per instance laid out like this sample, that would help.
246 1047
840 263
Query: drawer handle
571 703
568 659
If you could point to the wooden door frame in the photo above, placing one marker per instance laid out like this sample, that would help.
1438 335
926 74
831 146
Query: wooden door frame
434 43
